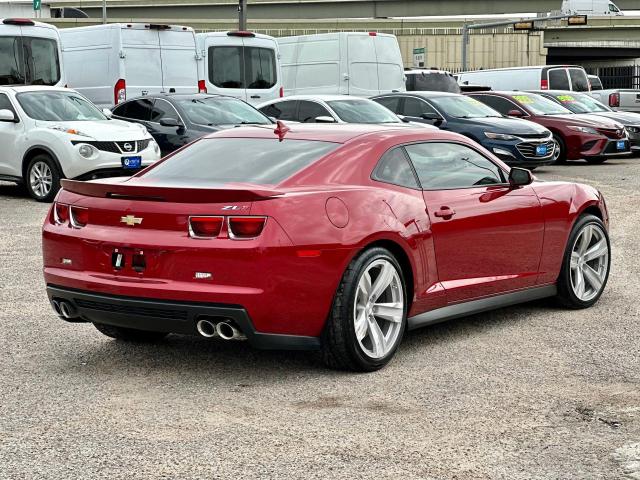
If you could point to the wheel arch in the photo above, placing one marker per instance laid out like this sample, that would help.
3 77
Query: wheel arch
35 150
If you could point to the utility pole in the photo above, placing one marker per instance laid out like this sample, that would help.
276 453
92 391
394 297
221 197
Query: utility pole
104 11
242 15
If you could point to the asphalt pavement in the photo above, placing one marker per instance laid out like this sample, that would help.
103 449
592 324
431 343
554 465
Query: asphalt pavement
524 393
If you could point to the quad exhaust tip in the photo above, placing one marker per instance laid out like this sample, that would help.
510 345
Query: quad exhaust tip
224 329
206 328
64 309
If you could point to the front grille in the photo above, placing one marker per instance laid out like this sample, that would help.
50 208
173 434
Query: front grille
533 136
617 134
528 149
132 310
117 147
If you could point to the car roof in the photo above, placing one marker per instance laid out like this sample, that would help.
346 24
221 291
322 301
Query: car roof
327 133
415 71
556 92
33 88
421 93
170 96
322 98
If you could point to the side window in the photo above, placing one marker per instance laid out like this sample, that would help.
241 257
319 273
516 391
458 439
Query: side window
281 110
558 79
5 103
394 168
445 166
500 104
411 83
43 64
414 107
309 111
11 61
163 109
392 103
138 109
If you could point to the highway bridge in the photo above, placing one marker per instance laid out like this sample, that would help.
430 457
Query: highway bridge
314 9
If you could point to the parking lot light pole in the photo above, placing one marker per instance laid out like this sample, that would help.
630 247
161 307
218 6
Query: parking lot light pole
104 11
242 15
580 20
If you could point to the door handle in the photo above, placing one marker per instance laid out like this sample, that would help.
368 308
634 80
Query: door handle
445 212
255 96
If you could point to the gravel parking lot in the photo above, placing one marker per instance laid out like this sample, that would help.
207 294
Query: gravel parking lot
530 392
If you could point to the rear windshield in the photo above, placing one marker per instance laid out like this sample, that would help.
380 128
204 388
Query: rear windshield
28 61
261 161
242 67
432 82
579 80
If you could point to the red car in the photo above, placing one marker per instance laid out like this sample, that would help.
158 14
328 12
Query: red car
318 237
577 136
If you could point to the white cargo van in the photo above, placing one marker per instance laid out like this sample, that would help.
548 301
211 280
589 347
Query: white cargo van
108 63
346 63
30 53
530 78
242 64
590 7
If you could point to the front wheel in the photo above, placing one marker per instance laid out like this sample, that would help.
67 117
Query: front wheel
560 150
42 178
368 317
586 263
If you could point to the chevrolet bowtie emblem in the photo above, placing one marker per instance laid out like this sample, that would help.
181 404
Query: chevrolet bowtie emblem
131 220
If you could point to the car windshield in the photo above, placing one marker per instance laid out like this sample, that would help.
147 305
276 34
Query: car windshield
362 111
539 105
221 111
263 161
581 103
463 107
58 106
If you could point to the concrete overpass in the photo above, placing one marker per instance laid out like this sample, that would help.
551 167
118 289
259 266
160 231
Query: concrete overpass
313 9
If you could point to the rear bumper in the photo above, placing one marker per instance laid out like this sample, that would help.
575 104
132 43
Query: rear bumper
171 317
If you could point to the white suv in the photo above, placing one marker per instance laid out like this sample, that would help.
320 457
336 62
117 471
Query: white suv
49 133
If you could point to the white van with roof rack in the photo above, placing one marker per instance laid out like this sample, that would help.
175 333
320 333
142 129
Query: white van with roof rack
30 53
546 77
108 63
345 63
241 64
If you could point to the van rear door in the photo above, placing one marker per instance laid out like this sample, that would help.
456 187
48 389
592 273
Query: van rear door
224 68
179 60
363 65
262 75
391 76
142 60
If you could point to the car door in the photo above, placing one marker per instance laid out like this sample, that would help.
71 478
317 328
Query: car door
308 111
418 110
172 137
488 236
10 156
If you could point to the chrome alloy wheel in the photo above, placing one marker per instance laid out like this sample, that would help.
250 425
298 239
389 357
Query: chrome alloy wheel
556 150
41 179
378 309
589 262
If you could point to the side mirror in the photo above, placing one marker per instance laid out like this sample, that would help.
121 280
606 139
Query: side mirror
515 113
520 177
325 119
170 122
107 113
403 118
8 116
432 117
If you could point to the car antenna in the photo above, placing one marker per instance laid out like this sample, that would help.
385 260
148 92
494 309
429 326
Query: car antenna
281 130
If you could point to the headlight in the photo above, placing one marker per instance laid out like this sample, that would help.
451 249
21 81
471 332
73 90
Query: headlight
500 136
86 151
142 127
70 131
590 131
633 129
156 147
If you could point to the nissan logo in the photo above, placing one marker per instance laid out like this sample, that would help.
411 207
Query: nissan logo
128 147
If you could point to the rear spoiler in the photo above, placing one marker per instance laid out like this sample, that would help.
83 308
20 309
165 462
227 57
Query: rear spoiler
177 194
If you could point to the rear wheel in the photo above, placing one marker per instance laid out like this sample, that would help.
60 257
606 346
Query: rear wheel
42 178
368 317
129 334
586 263
560 151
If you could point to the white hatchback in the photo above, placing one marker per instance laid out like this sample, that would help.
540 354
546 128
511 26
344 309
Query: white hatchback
50 133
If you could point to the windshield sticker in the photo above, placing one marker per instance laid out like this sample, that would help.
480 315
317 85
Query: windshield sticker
524 99
473 100
566 98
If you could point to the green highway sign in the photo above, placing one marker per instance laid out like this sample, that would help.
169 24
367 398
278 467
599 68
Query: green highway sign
419 56
37 5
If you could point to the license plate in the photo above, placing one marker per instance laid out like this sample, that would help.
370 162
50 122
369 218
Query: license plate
621 145
131 162
541 150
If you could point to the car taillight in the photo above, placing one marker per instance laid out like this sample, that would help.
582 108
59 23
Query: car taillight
205 227
202 86
244 228
614 100
544 84
60 213
120 91
281 92
78 216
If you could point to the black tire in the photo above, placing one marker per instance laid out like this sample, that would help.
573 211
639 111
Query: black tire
596 160
563 149
566 296
129 334
340 347
37 162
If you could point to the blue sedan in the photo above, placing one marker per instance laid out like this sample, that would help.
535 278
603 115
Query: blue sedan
515 141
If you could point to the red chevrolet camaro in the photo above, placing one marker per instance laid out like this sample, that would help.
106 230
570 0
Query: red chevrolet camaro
317 237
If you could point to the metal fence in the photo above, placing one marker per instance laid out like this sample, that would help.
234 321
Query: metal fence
617 77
